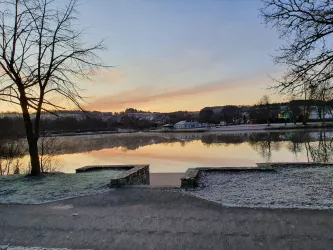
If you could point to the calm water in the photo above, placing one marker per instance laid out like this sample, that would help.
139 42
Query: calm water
178 152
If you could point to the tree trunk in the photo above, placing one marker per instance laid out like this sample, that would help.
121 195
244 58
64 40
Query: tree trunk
324 113
305 115
34 159
32 139
305 108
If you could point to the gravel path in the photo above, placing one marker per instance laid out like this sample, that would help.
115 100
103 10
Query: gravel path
303 187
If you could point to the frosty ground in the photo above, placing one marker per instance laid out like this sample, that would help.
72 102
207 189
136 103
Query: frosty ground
20 189
155 218
288 187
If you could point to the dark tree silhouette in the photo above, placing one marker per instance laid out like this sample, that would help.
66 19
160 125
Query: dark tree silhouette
306 26
206 114
229 113
41 56
264 104
295 108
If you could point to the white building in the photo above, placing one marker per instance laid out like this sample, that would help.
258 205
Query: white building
185 124
315 116
10 115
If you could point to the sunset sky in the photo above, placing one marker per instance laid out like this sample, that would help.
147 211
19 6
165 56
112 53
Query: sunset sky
179 55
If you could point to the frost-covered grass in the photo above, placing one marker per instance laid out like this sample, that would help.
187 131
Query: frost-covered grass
49 187
301 187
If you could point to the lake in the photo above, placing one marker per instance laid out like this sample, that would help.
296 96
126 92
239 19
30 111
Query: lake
176 152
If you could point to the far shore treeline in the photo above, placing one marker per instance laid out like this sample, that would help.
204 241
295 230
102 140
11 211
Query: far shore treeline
12 124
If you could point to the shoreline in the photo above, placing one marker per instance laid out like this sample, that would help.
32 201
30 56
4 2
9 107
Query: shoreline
275 127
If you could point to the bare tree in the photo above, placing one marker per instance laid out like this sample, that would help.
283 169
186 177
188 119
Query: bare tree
294 106
306 27
49 148
323 96
264 103
41 57
11 154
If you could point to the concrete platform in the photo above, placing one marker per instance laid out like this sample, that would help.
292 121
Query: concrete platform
165 179
191 176
132 175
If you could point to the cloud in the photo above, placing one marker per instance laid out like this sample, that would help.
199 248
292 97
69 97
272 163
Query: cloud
145 95
109 76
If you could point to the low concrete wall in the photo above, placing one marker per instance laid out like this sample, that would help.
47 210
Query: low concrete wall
138 175
133 174
190 179
191 176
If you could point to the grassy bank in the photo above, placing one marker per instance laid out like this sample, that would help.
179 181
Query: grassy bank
20 189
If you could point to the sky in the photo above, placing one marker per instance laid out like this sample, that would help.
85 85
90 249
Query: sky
170 55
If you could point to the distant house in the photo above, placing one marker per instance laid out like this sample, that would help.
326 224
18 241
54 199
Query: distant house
313 115
10 115
185 124
78 115
284 115
168 126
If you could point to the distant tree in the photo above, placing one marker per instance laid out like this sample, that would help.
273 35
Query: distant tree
178 116
264 104
215 119
323 95
229 113
127 121
41 53
295 108
131 110
329 104
319 107
206 114
11 127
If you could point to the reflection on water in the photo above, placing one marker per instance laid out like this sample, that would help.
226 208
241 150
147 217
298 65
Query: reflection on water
177 152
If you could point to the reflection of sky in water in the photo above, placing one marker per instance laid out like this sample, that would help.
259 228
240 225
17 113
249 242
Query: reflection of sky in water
174 157
178 152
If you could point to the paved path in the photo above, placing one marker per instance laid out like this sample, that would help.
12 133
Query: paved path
31 248
161 219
